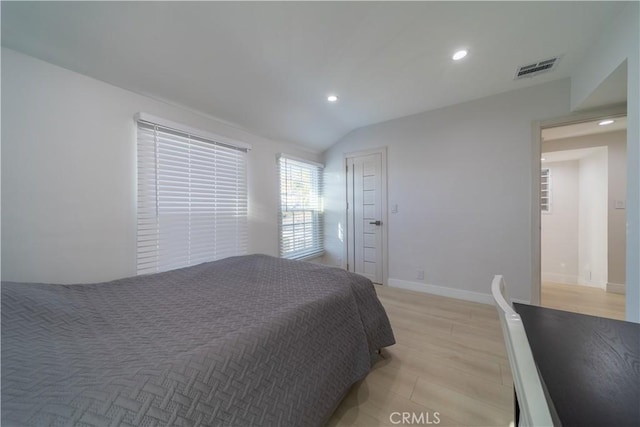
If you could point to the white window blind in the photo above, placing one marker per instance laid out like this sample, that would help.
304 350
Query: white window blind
192 199
301 222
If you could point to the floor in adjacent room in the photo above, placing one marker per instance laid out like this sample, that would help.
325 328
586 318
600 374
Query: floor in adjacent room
583 299
450 364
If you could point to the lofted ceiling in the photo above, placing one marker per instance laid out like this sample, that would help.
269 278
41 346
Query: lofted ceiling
268 66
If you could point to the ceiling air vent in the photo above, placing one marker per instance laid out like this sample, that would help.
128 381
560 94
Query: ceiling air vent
536 68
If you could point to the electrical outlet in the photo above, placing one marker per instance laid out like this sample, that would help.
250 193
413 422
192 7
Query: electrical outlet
420 275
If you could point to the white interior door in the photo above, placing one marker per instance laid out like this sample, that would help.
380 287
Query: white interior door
365 207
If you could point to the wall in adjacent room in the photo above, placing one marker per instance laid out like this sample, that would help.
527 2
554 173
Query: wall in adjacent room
616 143
559 232
592 219
69 174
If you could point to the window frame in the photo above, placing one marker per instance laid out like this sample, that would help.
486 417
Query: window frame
312 212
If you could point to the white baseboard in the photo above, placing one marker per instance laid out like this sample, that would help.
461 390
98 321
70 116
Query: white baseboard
567 279
616 288
583 282
442 291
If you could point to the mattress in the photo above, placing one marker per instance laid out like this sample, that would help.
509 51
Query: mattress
251 340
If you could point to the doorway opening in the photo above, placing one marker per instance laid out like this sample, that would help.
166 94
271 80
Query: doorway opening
583 218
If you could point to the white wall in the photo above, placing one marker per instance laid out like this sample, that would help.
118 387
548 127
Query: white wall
461 177
619 43
633 162
592 219
68 174
559 233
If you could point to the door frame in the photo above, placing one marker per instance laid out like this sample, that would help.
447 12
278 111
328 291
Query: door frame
536 153
383 209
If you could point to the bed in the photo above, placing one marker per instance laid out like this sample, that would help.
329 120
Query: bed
251 340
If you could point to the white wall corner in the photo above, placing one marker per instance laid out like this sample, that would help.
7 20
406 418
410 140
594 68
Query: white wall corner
607 53
443 291
617 43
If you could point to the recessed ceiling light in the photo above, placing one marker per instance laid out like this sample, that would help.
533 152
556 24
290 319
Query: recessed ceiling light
543 159
459 55
606 122
332 98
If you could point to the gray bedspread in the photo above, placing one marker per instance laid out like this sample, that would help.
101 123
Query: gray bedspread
243 341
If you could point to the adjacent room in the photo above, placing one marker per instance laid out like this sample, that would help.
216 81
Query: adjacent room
320 213
583 193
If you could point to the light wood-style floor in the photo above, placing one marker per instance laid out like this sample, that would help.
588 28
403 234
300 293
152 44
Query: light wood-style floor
583 299
450 359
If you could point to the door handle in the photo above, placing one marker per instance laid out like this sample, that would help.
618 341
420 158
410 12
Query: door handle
376 222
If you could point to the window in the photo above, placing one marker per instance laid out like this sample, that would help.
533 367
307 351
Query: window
301 223
192 197
545 190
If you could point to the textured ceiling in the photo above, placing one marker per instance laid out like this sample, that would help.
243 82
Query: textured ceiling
268 66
